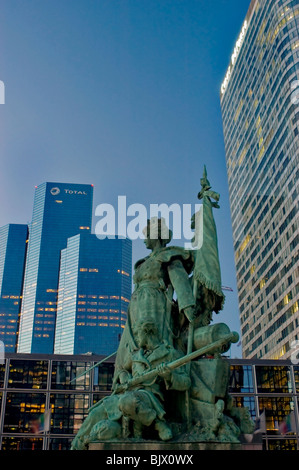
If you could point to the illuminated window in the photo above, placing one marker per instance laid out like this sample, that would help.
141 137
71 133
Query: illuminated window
261 153
262 283
244 244
287 298
121 271
295 307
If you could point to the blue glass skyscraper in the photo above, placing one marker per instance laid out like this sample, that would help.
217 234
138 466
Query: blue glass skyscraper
13 238
60 211
94 291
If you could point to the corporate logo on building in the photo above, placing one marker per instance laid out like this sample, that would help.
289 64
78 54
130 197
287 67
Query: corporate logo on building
234 56
55 191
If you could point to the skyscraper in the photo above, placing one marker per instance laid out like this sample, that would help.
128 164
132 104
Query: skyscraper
94 291
60 211
260 112
13 244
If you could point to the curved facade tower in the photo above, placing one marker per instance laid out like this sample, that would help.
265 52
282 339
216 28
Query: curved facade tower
260 112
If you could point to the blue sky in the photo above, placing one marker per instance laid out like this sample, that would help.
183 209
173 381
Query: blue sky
123 94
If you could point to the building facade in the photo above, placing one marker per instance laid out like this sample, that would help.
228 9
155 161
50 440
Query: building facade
42 406
260 113
13 245
94 290
60 211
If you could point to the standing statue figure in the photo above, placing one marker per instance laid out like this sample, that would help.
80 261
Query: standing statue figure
165 271
170 380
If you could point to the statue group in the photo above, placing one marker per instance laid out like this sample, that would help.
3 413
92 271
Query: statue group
171 380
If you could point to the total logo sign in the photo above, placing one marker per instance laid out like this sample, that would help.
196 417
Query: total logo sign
55 191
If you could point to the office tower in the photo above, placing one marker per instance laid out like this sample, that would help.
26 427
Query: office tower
13 244
94 291
60 211
260 112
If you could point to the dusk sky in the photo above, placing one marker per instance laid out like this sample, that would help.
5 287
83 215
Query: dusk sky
123 94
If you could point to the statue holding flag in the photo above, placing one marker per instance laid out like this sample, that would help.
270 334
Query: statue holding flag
170 380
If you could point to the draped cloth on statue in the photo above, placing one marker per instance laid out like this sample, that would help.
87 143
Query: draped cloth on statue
207 267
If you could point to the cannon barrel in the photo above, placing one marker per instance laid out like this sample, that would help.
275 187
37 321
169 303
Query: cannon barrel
232 337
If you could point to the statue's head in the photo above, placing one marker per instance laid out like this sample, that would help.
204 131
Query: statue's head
155 232
137 406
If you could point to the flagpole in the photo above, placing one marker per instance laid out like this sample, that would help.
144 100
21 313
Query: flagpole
189 350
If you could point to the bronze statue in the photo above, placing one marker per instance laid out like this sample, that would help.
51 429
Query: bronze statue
170 380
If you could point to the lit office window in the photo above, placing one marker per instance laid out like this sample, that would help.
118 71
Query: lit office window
64 373
19 443
23 412
276 379
241 379
296 375
28 374
103 376
276 411
69 411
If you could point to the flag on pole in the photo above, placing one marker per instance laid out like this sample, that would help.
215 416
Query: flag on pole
260 424
288 424
206 266
42 423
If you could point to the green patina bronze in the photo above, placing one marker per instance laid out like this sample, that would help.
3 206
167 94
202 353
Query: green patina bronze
171 379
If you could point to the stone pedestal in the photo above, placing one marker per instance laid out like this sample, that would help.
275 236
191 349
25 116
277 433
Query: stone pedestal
158 446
